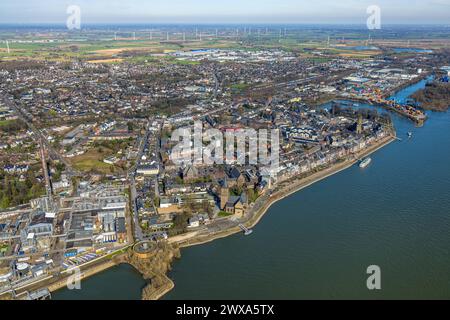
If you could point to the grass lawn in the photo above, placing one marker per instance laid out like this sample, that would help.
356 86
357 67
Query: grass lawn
4 248
185 62
92 161
223 214
5 122
11 125
240 87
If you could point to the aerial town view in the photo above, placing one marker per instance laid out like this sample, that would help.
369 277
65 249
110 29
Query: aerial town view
227 150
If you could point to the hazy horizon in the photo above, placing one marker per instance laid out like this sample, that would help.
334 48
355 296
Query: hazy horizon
225 12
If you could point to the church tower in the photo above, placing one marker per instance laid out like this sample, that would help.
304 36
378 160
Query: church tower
359 124
224 194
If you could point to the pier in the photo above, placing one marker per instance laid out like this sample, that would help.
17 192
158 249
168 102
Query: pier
246 230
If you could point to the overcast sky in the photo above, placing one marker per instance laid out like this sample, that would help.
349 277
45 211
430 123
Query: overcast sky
225 11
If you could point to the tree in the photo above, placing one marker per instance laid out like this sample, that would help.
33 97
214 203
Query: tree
252 195
180 223
236 191
5 202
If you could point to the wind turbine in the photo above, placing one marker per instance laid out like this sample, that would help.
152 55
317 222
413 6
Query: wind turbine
7 46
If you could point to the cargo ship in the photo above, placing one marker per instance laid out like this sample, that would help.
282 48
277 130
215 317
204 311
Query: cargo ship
364 163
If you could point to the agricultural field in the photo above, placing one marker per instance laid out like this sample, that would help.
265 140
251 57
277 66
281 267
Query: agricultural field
104 51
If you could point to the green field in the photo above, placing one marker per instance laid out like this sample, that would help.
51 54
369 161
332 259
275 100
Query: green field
5 122
240 86
92 161
224 214
142 50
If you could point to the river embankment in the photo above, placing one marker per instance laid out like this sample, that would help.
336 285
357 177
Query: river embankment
288 188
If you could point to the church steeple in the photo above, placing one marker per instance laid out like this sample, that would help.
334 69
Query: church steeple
359 124
224 194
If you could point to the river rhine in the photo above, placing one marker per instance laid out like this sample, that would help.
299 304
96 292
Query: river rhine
318 242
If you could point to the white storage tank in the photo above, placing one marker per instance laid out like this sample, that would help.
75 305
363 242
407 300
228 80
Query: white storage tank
23 267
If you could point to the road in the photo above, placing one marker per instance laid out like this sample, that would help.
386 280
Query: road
40 136
138 234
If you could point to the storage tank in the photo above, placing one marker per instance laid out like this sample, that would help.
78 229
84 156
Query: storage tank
23 268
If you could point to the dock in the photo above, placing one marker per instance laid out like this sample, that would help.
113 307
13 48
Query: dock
246 230
405 110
